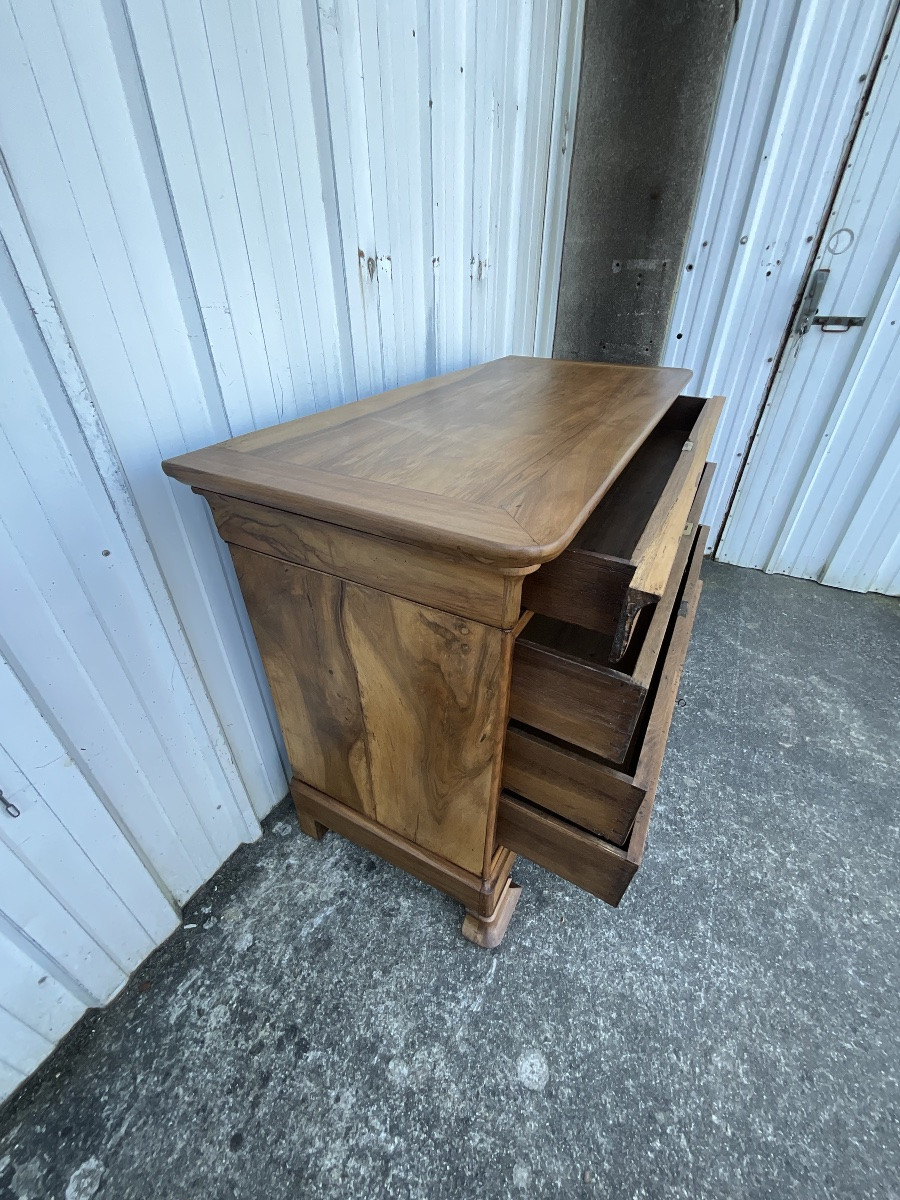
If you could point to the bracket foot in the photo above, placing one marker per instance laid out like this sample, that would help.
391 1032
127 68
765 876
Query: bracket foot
488 932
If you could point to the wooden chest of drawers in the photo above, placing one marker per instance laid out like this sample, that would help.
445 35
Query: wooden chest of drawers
473 598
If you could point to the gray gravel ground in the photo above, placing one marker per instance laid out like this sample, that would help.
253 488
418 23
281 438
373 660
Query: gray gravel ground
731 1031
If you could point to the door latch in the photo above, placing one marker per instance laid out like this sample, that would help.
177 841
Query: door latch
837 324
810 301
11 808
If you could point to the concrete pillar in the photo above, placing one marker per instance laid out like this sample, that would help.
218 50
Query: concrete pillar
650 79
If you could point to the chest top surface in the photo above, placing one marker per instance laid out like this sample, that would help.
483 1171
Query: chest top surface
501 462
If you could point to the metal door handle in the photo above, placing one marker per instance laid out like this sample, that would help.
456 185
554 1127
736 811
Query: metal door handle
837 324
9 806
810 301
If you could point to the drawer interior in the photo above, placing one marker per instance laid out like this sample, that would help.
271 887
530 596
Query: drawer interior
567 682
597 647
617 524
621 560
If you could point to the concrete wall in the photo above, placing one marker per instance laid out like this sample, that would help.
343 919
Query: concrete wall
650 77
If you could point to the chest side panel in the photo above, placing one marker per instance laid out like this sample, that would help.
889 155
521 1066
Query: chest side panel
393 708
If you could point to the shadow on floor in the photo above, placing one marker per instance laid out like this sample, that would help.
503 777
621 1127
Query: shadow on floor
730 1031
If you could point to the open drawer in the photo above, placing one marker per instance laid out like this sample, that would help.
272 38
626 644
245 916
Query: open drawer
565 680
584 819
621 559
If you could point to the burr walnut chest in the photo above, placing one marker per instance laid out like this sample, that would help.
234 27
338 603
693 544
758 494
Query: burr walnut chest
473 598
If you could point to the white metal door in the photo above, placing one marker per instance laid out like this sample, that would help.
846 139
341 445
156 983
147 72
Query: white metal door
819 496
79 909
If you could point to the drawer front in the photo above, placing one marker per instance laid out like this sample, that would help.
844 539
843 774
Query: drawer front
562 686
622 558
582 858
570 784
593 707
557 830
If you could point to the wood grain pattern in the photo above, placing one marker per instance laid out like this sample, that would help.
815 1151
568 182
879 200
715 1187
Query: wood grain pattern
480 894
621 558
571 785
502 464
297 617
462 588
391 707
572 852
587 861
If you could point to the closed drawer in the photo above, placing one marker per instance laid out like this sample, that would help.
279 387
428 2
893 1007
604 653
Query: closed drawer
583 819
621 559
565 680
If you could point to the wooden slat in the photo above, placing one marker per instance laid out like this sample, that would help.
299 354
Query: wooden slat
690 546
653 748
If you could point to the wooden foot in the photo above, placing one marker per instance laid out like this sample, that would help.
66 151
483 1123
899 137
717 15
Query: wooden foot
310 826
488 932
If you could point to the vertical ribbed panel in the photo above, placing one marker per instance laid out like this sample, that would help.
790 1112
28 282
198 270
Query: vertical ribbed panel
793 82
819 497
215 216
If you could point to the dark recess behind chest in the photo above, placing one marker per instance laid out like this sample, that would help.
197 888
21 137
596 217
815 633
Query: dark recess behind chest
650 78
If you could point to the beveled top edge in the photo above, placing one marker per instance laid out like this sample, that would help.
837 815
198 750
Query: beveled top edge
483 532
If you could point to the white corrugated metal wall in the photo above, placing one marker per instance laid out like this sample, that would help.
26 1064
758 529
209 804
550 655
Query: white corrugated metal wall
819 495
214 216
821 498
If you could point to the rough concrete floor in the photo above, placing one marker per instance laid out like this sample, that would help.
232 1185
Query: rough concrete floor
730 1031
